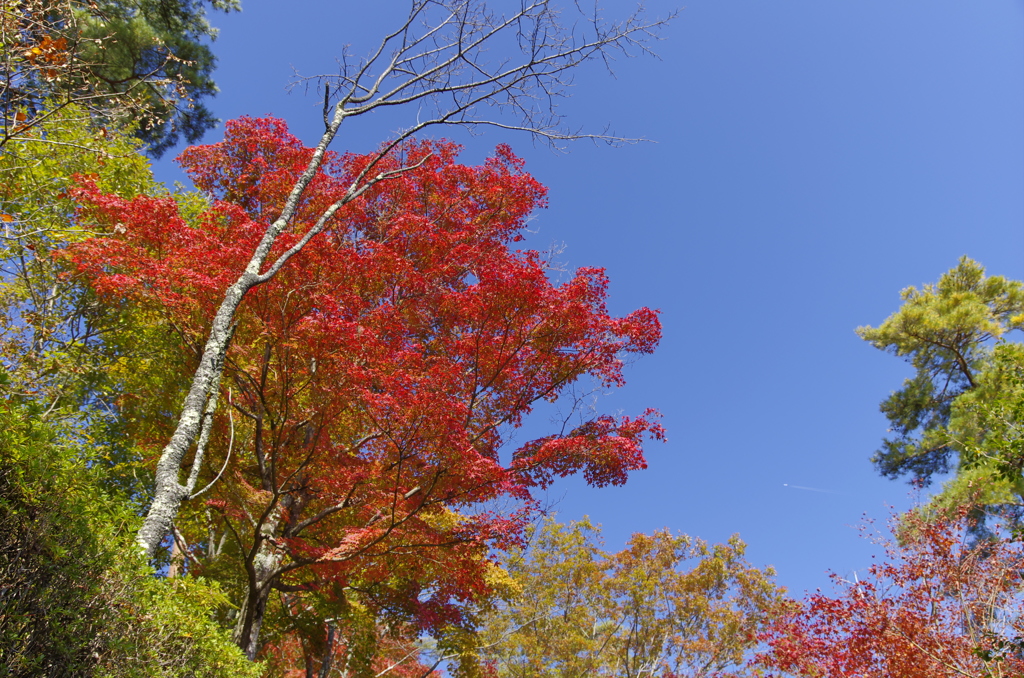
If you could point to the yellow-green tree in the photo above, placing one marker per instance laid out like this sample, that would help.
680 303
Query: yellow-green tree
666 605
77 397
76 358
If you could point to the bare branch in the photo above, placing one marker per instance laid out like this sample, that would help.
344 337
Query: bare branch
443 64
227 458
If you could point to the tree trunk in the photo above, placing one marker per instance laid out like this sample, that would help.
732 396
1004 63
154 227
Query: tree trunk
254 606
169 492
262 570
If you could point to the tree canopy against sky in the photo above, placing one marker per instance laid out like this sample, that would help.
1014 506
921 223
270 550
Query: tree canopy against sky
377 378
666 605
947 332
441 59
811 161
508 337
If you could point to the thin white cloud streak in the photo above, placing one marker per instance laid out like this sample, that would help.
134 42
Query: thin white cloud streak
811 489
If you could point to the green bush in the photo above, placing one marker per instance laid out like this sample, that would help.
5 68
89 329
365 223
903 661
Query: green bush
75 597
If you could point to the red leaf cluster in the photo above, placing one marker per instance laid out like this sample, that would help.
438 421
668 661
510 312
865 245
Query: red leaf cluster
941 606
375 379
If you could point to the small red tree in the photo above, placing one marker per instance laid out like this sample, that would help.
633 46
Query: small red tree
373 381
940 606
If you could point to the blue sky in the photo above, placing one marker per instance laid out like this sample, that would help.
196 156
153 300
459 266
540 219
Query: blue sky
811 160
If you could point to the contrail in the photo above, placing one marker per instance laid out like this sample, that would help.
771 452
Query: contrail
811 489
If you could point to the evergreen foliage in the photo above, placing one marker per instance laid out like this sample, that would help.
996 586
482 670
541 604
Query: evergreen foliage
946 331
119 62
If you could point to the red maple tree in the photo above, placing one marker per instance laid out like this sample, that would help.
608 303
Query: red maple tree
373 383
943 605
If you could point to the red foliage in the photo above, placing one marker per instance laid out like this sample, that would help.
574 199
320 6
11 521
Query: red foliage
941 606
379 373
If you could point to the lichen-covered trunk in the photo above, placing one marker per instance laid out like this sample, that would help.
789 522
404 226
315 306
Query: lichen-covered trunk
169 493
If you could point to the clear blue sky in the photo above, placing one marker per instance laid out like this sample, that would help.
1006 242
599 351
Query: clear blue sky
812 159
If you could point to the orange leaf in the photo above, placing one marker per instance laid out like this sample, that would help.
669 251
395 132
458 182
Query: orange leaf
6 218
19 116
